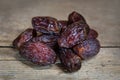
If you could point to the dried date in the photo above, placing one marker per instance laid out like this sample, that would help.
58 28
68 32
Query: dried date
63 24
50 40
47 25
38 53
71 40
24 37
92 34
88 48
74 17
73 35
70 60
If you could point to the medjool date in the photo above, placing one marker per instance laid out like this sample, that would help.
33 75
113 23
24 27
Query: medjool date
70 60
92 34
63 24
46 25
73 35
74 17
88 48
38 53
69 40
24 37
50 40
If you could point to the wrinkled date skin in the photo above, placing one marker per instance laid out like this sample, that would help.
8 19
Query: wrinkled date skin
88 48
38 53
69 40
50 40
74 17
24 37
73 35
70 61
46 25
63 24
92 34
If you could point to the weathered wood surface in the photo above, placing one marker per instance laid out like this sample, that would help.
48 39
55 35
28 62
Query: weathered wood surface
102 15
105 66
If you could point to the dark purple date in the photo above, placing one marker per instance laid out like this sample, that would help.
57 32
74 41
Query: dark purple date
92 34
63 24
88 48
73 35
50 40
24 37
74 17
38 53
70 60
47 25
70 40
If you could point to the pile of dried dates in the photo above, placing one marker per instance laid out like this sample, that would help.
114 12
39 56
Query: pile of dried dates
70 40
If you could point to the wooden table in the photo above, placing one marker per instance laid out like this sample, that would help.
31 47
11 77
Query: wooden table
102 15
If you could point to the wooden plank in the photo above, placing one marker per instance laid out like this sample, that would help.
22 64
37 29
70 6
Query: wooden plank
102 15
7 54
105 66
91 72
15 70
112 55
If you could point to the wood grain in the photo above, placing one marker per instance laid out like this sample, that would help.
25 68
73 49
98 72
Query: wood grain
112 54
17 71
102 15
105 66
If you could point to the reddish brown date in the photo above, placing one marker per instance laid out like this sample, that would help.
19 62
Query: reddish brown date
92 34
73 34
46 25
24 37
50 40
38 53
70 61
71 40
88 48
63 24
74 17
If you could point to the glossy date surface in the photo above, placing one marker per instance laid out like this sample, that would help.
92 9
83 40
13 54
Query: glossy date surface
38 53
70 60
75 17
47 25
88 49
24 37
73 35
50 40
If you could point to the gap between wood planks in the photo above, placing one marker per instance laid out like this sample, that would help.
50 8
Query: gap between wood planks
58 61
101 47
